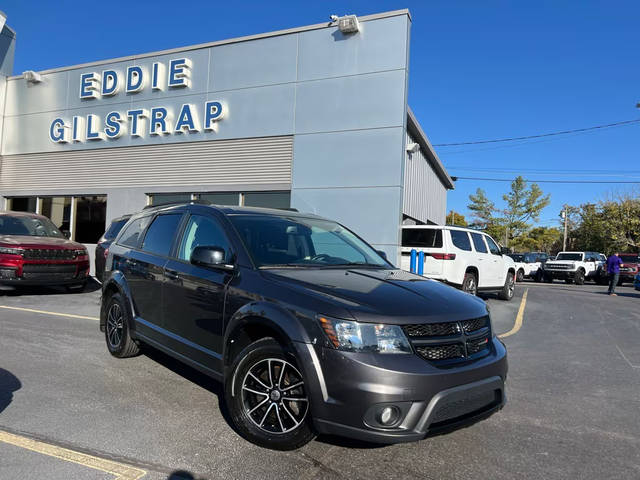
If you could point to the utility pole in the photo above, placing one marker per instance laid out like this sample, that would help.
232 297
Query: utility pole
566 217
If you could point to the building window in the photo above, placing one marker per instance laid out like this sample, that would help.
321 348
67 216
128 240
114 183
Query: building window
22 204
223 198
90 218
160 198
268 199
58 210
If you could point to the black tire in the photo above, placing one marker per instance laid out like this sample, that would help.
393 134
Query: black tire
539 276
509 288
547 278
116 329
470 283
579 277
284 425
520 275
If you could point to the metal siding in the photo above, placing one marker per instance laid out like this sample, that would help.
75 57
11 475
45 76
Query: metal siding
229 162
425 197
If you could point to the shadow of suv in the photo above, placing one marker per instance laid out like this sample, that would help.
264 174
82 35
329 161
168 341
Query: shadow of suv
308 327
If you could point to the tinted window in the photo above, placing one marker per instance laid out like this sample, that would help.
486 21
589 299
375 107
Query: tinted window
222 198
161 198
576 257
114 229
461 240
159 237
493 248
422 237
478 243
131 235
201 231
268 199
627 258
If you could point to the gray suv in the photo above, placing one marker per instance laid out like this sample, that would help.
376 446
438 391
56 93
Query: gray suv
309 328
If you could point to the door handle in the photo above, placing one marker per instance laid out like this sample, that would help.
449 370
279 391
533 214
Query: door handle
171 275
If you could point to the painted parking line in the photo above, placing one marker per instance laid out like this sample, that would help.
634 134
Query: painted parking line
519 317
45 312
120 470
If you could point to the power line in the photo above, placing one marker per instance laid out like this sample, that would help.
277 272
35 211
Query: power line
484 179
529 137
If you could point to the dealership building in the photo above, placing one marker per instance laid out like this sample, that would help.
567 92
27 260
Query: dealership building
313 118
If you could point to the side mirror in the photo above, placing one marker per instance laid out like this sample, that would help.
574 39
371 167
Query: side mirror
504 251
66 233
382 254
212 257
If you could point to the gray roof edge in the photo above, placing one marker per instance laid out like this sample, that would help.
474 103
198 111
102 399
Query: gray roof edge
317 26
414 128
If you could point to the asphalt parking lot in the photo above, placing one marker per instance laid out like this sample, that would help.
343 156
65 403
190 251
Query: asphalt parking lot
70 410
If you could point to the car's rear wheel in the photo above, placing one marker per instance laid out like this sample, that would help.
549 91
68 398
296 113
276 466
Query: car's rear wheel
520 276
267 397
509 288
470 283
116 329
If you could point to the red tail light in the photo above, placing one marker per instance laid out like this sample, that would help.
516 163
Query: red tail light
443 256
106 253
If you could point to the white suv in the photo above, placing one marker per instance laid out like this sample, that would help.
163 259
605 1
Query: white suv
462 257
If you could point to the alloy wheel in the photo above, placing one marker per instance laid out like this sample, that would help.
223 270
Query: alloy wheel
274 396
115 322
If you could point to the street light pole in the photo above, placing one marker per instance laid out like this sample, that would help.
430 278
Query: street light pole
565 216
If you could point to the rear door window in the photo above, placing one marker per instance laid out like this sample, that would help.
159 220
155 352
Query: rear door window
114 229
461 240
131 235
422 237
478 243
159 237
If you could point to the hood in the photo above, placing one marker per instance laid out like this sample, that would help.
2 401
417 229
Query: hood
384 296
30 241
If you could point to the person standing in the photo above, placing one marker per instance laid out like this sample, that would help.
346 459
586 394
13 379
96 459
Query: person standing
613 269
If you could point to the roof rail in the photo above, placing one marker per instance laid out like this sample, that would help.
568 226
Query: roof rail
198 201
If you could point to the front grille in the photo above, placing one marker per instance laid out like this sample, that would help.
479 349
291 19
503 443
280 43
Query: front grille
455 409
48 254
48 271
558 267
450 341
432 329
441 352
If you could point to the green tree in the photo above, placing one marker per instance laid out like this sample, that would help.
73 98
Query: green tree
455 218
482 210
523 206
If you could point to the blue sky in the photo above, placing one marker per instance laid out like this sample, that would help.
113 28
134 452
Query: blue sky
479 70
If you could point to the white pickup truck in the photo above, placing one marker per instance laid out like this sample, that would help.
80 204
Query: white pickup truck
574 267
529 265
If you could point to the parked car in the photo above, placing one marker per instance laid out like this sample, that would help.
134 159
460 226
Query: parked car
33 251
574 267
636 282
629 268
462 257
102 248
307 326
528 265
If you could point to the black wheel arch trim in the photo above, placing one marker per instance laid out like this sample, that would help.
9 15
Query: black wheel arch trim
118 282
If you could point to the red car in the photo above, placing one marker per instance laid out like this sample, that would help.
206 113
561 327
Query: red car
629 268
34 252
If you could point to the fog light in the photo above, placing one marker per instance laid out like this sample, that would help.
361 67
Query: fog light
388 416
7 273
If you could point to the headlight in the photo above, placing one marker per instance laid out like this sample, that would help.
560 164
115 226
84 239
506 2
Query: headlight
11 251
365 337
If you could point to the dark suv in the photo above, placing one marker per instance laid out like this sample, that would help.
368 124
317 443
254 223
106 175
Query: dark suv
309 328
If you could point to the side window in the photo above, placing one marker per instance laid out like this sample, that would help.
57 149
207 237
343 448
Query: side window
131 235
422 237
493 248
159 237
201 231
478 243
461 240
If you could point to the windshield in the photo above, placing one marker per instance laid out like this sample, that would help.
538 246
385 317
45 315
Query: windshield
629 258
30 226
274 241
569 256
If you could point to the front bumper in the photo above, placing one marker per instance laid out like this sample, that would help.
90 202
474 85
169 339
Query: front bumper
561 274
44 274
351 387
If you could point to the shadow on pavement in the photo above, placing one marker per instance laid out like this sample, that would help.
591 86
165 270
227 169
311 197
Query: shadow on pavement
182 475
191 374
91 286
9 383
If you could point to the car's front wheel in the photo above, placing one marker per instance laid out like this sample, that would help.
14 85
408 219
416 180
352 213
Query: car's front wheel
509 288
267 398
579 277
